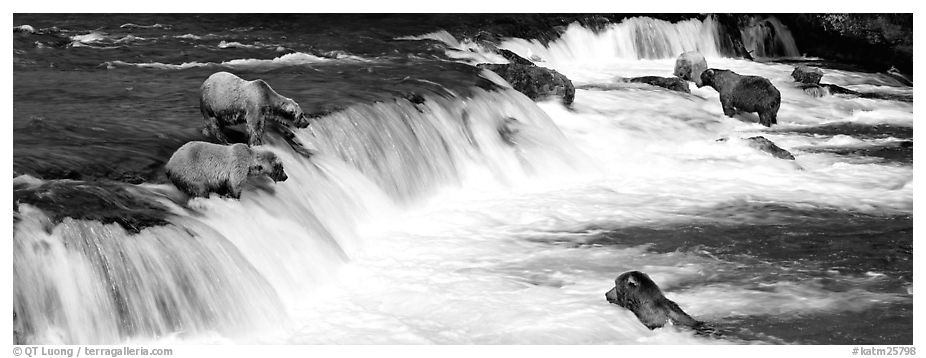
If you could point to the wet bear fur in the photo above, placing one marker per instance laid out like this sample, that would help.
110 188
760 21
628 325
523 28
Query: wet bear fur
744 93
200 168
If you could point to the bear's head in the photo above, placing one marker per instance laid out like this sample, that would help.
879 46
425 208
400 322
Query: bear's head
716 77
632 290
266 162
292 109
707 78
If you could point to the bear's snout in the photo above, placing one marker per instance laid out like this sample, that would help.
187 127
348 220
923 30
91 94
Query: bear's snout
611 295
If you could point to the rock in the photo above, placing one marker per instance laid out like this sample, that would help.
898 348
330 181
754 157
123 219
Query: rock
671 83
873 41
807 74
765 145
412 97
131 207
834 89
741 50
535 82
513 58
689 66
900 76
508 129
826 89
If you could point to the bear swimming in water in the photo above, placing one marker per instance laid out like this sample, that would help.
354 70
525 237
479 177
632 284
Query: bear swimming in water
636 292
744 93
200 168
226 99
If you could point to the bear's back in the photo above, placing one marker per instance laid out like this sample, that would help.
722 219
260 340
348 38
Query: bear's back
226 88
197 158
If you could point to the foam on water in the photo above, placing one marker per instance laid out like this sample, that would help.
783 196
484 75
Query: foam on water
290 59
453 220
636 38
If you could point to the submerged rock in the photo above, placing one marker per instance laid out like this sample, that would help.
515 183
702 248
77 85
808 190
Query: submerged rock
826 89
671 83
807 74
107 202
763 144
535 82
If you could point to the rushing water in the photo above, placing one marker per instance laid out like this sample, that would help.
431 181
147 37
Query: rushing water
477 216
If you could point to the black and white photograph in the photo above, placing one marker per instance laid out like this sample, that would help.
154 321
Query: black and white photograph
461 178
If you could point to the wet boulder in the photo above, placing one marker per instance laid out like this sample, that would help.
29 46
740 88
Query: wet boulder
763 144
132 207
689 66
807 74
535 82
513 58
671 83
826 89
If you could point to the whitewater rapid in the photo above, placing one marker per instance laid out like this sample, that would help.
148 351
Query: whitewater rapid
423 224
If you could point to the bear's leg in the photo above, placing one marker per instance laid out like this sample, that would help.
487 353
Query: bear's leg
727 106
255 129
198 190
214 128
234 188
767 118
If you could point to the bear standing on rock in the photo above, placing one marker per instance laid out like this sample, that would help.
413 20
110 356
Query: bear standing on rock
744 93
226 99
200 168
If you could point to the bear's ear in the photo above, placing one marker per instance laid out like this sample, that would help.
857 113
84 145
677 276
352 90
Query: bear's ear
632 281
709 72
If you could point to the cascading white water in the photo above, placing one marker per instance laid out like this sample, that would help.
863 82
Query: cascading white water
86 282
632 39
464 219
249 264
409 150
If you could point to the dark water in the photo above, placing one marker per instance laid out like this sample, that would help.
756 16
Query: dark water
818 252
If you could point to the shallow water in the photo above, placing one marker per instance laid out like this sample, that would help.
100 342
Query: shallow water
422 223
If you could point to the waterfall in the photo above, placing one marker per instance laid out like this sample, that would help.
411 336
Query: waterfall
409 150
644 38
229 266
86 282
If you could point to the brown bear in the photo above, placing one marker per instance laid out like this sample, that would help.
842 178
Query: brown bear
689 66
200 168
744 93
636 292
226 99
